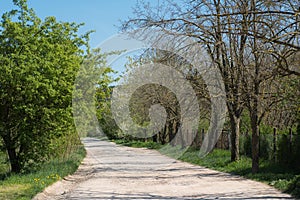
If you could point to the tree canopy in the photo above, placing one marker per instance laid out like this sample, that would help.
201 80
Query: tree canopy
39 60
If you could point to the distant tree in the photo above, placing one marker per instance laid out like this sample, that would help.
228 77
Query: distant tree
150 94
104 88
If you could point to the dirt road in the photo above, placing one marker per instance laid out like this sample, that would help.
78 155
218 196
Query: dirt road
114 172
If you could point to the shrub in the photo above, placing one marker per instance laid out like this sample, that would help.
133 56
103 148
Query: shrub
294 187
245 145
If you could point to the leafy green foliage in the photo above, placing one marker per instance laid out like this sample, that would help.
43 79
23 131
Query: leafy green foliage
138 144
39 61
294 186
289 152
4 167
93 90
103 95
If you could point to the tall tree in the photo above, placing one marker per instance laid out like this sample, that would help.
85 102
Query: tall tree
238 35
39 61
273 39
204 21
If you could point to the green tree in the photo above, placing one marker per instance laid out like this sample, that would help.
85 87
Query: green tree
39 60
91 98
151 94
104 89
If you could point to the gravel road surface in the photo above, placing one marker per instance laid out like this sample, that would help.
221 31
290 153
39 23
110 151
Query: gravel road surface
111 171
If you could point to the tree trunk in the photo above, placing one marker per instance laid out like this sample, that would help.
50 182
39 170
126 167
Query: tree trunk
154 138
255 144
14 162
12 153
235 135
255 131
255 96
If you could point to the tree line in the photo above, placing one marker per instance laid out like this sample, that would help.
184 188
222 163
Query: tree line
254 44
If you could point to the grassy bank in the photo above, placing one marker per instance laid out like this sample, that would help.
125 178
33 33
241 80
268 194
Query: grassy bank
270 173
26 186
138 144
279 177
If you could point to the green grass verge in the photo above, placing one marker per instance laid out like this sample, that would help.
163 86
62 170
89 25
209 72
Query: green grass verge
270 173
138 144
281 178
26 186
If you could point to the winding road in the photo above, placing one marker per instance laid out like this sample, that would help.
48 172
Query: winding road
111 171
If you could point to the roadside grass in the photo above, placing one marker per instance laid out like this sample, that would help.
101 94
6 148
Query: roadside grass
284 179
26 186
138 144
270 173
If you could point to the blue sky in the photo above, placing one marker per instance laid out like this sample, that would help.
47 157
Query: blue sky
103 16
100 15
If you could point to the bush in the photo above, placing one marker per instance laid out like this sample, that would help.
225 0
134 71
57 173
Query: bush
295 160
283 153
289 152
266 146
245 145
294 187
